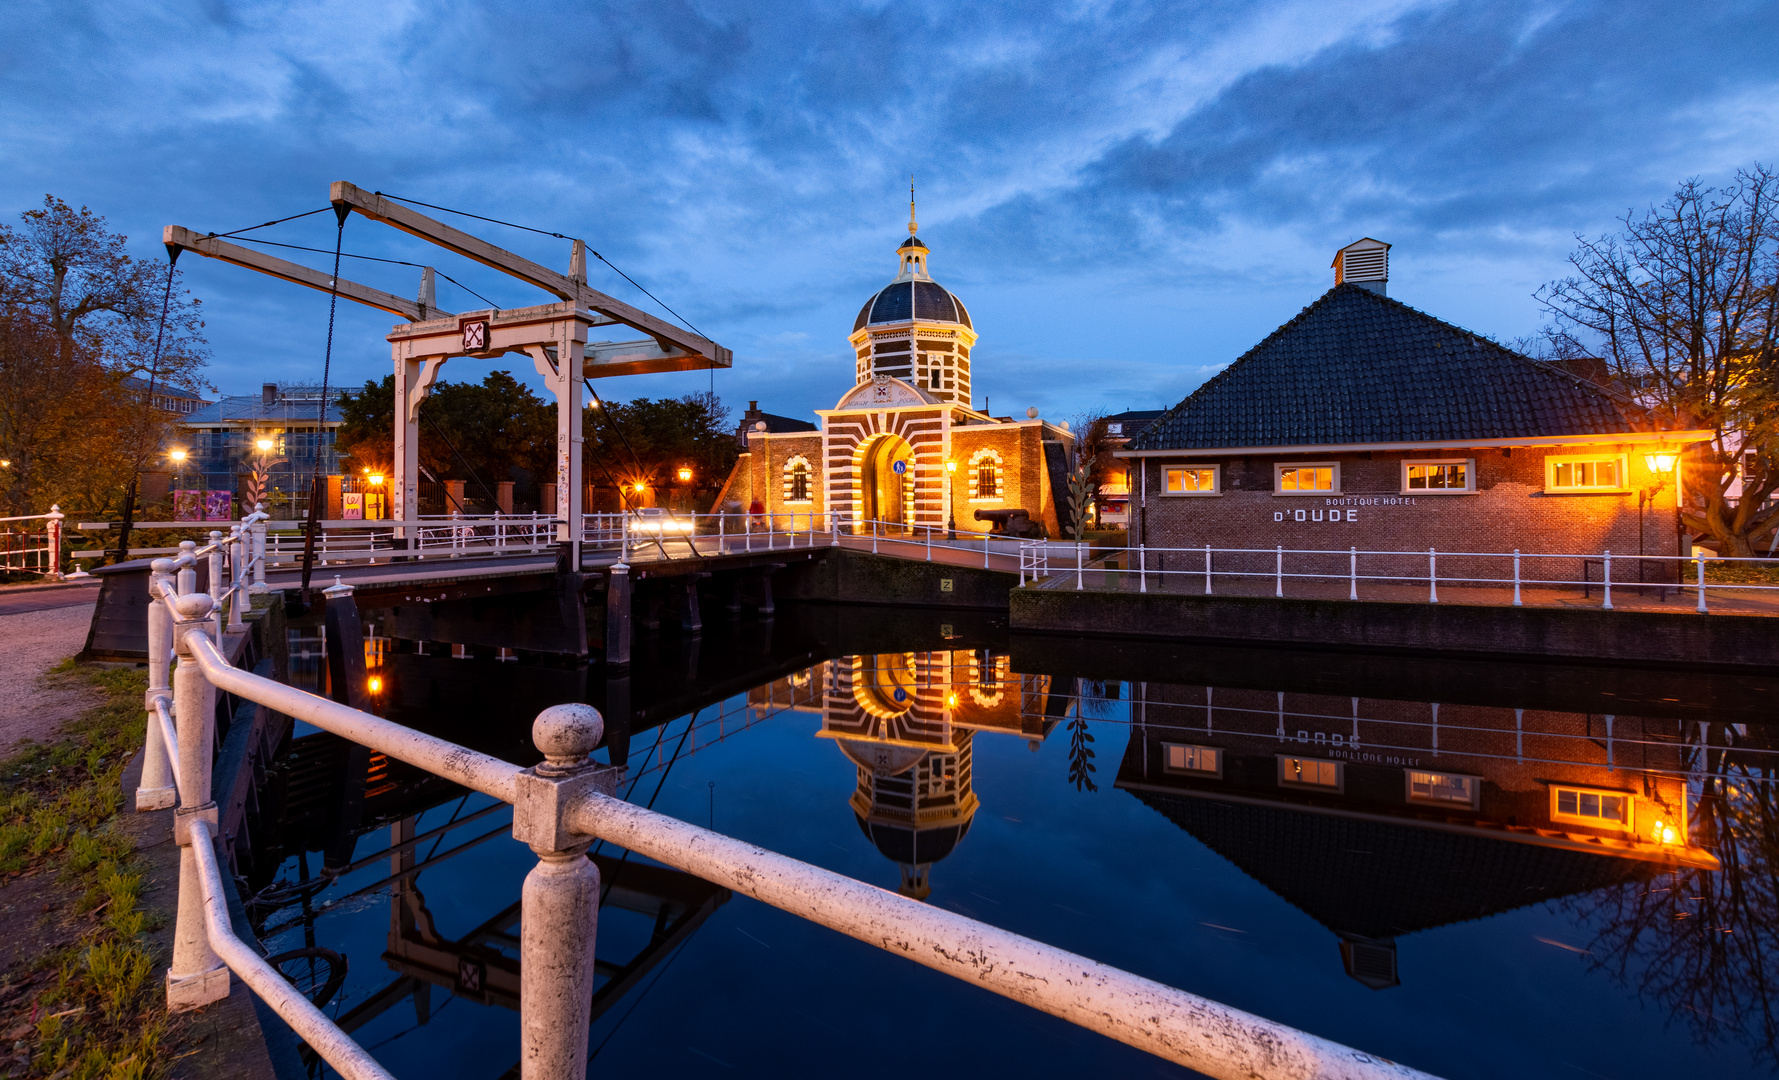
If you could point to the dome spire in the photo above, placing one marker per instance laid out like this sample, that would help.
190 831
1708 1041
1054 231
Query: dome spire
913 225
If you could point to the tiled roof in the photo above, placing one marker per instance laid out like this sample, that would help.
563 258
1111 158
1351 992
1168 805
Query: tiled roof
1357 367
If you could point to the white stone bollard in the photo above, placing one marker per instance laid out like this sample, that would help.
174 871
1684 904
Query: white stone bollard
197 976
156 790
559 903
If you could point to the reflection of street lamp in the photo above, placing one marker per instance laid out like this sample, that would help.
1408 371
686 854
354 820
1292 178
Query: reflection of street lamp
1661 462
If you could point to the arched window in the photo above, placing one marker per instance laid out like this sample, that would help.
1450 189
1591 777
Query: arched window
985 476
796 480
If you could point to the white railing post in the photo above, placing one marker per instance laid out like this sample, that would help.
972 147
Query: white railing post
1432 578
237 576
1607 574
1699 556
52 535
217 590
1278 586
197 977
259 551
722 533
1079 559
1352 573
834 528
559 902
1142 571
873 536
1516 577
155 791
985 551
929 545
1207 570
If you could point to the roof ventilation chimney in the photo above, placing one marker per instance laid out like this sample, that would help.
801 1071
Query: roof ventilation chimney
268 394
1365 263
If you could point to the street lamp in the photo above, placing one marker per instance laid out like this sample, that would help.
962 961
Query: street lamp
685 475
1660 462
950 505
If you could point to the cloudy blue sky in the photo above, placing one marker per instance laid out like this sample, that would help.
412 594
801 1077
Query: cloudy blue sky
1126 195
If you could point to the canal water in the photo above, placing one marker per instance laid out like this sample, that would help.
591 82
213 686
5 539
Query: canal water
1478 869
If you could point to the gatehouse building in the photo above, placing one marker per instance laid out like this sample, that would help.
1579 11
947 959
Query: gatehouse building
905 445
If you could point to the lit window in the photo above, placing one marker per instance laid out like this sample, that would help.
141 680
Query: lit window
796 480
1310 772
1204 760
985 475
1189 481
1601 809
1115 429
1437 476
1307 479
1444 789
1585 473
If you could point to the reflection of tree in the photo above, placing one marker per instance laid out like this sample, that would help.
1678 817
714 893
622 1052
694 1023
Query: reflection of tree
1081 765
1705 944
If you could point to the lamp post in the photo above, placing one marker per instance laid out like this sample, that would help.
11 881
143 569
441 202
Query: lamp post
950 507
177 456
1661 462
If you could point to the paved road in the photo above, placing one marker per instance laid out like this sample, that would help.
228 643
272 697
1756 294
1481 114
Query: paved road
19 601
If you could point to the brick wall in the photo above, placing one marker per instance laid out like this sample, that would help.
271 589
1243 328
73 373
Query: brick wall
1509 509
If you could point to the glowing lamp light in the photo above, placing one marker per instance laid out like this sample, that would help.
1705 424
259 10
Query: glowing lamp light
641 487
176 455
376 479
685 474
1668 834
1660 461
951 466
951 699
375 684
264 444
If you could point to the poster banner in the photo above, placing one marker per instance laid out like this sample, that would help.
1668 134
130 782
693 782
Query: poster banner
217 505
352 505
188 505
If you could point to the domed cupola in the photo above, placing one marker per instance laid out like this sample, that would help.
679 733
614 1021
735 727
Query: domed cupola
914 329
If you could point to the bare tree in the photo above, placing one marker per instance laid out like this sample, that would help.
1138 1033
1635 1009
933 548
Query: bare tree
1090 463
1683 307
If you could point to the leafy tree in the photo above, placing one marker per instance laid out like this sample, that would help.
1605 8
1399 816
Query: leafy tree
651 439
1683 306
1091 464
82 317
488 432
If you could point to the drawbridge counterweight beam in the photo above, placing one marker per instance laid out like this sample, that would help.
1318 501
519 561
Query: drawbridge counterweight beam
178 236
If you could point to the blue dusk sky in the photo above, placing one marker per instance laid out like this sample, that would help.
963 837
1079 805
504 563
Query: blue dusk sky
1127 196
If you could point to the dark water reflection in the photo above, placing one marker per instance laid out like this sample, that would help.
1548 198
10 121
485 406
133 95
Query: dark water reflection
1475 868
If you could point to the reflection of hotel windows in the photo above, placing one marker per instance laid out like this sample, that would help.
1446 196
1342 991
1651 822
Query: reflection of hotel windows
1604 472
796 480
1438 477
1311 772
1290 479
1196 480
1444 789
1202 760
1600 809
985 476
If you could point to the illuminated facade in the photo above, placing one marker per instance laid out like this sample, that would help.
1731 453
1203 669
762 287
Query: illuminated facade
905 445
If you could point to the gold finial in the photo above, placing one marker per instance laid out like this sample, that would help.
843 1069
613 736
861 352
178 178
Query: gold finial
913 226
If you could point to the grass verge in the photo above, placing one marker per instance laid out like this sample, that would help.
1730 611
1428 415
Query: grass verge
80 1001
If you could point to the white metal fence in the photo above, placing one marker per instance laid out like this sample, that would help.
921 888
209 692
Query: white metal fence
32 544
1323 572
559 808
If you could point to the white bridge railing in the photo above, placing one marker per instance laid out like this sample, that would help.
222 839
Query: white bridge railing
1320 573
28 548
559 808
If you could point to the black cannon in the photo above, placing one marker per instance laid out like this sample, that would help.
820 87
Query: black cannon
1015 522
